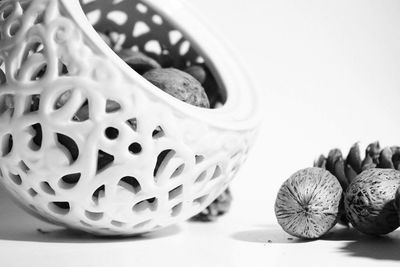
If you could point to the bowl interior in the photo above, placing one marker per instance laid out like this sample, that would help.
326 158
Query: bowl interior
138 26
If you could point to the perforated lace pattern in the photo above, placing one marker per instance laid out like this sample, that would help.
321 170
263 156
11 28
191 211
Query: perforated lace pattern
84 146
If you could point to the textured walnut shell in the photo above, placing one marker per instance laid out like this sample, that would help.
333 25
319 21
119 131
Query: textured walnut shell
307 204
180 85
369 201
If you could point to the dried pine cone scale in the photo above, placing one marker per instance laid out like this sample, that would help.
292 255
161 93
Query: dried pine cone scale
346 170
353 159
396 157
371 159
385 159
335 165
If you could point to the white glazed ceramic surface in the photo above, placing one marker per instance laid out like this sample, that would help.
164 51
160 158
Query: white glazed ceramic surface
148 162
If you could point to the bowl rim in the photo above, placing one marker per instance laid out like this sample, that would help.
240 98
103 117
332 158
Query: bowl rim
241 110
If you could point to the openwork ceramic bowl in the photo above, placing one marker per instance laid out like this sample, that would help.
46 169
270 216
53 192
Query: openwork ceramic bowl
139 159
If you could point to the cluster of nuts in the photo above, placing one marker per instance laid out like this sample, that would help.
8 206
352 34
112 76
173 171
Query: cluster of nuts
185 85
364 193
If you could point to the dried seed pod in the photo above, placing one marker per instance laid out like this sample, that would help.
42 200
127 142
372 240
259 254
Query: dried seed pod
320 162
385 159
374 150
335 164
218 207
396 157
368 163
350 173
138 60
179 84
197 72
371 159
354 158
307 204
369 201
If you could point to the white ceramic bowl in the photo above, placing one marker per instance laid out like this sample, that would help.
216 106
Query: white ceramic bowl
148 162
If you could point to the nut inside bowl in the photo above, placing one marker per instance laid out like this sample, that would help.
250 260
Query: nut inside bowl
147 162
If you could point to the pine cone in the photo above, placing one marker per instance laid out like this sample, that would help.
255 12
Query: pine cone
219 207
345 170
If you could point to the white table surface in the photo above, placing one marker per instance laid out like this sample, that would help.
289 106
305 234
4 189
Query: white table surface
329 76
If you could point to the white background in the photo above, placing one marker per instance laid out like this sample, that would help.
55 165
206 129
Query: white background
328 72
